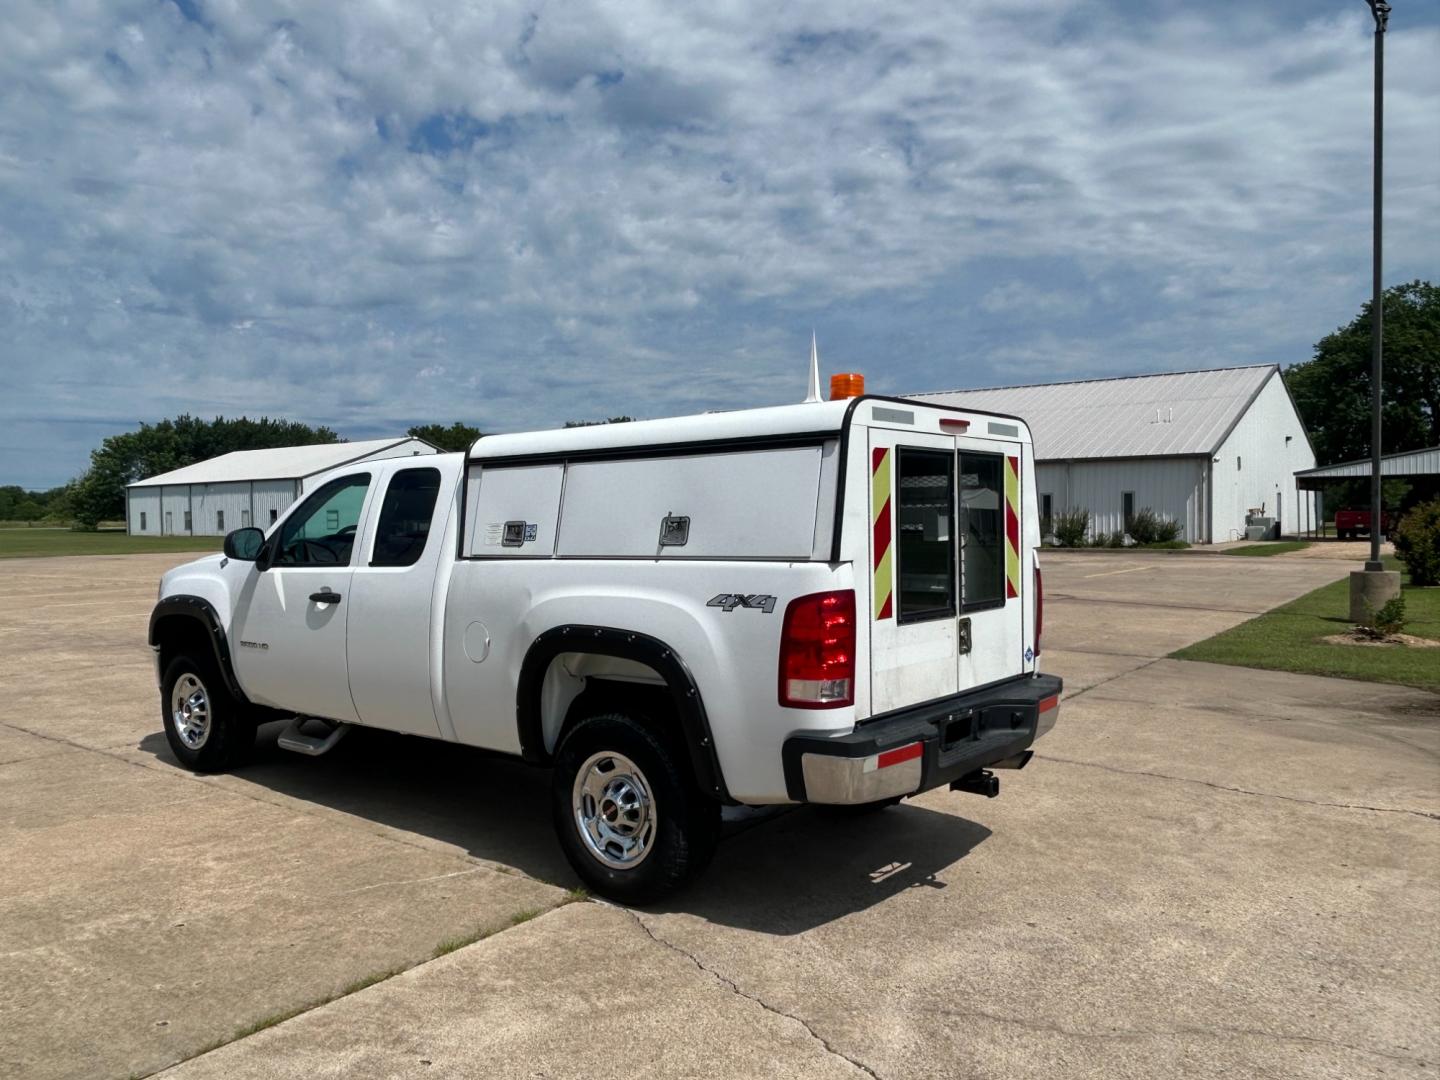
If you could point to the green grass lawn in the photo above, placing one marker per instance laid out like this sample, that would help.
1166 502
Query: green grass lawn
32 543
1272 547
1289 639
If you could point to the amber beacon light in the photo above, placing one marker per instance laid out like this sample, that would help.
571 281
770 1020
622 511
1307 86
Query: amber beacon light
847 384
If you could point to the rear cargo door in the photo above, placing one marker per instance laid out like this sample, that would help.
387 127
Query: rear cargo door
991 627
915 587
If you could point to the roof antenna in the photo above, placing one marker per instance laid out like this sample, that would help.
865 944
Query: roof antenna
814 394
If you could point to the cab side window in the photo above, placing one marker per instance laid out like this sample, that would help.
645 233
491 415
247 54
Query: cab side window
322 531
405 517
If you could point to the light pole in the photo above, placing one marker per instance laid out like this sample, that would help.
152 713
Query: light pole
1372 587
1381 11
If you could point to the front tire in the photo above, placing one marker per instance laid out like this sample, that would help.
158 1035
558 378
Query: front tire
206 727
630 819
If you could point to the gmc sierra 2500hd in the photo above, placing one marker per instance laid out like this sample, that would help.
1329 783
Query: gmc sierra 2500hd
833 602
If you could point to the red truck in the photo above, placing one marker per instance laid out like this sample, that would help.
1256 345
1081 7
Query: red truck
1350 523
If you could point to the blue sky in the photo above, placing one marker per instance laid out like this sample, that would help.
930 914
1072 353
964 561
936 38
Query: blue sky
516 215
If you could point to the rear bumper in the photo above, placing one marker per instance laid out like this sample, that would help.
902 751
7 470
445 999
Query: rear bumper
916 749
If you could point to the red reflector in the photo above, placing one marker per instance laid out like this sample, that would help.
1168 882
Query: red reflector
904 753
1051 702
817 651
951 424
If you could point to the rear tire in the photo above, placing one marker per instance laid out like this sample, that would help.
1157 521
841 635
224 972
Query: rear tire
205 725
632 822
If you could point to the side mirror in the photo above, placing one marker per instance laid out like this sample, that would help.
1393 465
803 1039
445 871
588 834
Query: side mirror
244 544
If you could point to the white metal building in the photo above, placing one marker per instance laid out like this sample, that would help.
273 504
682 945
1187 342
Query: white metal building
247 487
1201 447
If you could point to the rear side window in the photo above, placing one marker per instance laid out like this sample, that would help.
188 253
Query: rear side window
405 517
982 530
925 520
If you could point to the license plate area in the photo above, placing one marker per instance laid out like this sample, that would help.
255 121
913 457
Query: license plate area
957 728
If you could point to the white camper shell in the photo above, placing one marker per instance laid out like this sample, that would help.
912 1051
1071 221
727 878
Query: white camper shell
832 602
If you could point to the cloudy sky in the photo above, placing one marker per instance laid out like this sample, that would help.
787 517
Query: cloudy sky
518 213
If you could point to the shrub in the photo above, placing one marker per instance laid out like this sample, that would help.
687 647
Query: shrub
1389 620
1108 540
1417 543
1071 527
1148 527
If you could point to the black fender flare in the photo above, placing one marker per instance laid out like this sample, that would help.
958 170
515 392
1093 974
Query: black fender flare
201 612
629 645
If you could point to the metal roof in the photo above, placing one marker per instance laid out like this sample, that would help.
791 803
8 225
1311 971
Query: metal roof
280 463
1183 413
1409 463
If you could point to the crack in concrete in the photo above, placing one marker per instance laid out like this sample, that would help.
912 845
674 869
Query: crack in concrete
1242 791
1073 599
734 988
1111 678
1161 1033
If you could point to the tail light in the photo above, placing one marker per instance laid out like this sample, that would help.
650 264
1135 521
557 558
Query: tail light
817 651
1039 608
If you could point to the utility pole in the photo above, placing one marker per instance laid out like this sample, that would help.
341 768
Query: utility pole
1372 587
1381 11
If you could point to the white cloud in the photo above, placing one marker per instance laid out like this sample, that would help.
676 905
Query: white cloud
641 208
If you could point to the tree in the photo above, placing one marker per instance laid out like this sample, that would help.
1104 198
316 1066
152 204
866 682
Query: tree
456 438
1332 391
171 444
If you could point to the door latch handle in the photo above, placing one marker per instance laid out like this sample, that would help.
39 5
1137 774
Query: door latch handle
325 596
965 641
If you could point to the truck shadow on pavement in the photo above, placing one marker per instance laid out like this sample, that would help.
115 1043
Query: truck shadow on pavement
779 871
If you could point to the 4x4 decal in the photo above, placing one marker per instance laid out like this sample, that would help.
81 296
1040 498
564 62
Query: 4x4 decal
730 601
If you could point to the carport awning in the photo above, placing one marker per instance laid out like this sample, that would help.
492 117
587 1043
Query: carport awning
1410 465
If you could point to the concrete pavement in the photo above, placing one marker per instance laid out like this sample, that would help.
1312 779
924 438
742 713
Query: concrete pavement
1205 872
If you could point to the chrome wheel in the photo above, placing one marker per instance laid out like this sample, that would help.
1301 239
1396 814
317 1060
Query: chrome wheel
614 810
190 711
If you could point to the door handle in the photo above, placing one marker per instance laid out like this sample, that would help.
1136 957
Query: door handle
325 596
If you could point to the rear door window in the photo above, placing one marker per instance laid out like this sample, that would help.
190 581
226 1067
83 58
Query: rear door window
925 521
405 516
982 530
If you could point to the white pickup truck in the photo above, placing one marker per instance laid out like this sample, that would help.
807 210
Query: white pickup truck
832 602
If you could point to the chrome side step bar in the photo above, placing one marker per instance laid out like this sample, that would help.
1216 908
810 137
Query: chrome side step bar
293 738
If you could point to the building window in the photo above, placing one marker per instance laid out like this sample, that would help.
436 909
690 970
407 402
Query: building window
1047 510
170 522
982 531
405 517
244 519
332 520
1237 462
187 521
143 526
274 514
220 520
1127 508
925 544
